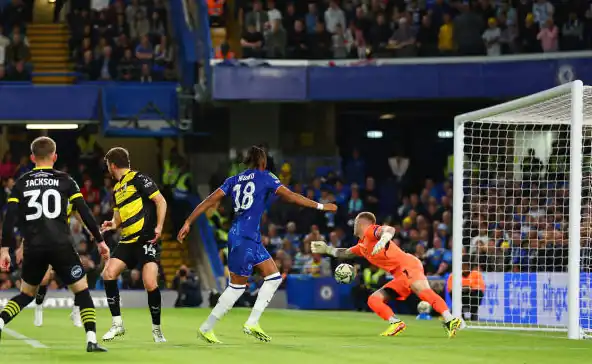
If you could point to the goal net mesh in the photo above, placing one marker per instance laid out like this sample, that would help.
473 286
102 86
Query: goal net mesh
515 217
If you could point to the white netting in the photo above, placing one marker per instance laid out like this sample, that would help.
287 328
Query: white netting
515 216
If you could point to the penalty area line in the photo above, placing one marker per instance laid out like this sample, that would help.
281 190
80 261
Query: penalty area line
34 343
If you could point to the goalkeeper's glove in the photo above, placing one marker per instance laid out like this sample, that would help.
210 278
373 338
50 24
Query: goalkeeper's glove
384 239
320 247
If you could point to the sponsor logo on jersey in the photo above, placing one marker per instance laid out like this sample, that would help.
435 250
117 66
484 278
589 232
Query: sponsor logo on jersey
246 177
76 272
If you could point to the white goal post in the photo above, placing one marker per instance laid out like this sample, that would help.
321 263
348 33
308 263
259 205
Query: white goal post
522 213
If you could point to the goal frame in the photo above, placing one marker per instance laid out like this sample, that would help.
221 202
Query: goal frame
576 90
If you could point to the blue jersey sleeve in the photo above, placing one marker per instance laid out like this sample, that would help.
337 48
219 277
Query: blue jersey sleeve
273 183
447 258
227 186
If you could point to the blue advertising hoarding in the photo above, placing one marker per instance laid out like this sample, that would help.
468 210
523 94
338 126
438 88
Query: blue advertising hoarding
417 78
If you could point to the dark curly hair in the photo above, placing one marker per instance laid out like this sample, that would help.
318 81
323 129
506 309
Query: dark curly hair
255 157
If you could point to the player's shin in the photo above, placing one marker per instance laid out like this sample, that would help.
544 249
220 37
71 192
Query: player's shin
437 303
379 307
40 296
14 307
88 314
112 293
226 301
154 303
266 293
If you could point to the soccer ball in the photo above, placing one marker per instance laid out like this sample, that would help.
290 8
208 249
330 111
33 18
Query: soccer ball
424 307
344 273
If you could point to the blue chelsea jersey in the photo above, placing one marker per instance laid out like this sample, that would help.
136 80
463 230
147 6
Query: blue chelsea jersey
250 191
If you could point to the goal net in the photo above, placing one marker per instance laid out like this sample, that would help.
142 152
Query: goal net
522 213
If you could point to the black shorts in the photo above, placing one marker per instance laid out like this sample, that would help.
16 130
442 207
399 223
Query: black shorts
137 254
64 260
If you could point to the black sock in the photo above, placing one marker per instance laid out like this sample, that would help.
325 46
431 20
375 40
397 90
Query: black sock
88 314
76 301
14 306
154 303
40 296
112 292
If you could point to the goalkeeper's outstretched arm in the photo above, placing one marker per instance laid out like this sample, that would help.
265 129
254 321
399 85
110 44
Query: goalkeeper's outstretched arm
320 247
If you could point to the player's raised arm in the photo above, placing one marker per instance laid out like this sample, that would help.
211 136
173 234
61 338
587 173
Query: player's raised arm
206 204
320 247
385 233
300 200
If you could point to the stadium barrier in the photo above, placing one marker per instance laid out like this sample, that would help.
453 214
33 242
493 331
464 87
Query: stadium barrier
388 79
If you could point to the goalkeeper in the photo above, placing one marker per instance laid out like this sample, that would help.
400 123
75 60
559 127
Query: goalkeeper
375 245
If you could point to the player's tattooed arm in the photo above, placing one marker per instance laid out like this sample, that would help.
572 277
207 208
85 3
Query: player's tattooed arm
320 247
344 253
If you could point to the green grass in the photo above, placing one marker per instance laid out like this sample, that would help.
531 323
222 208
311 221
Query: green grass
298 337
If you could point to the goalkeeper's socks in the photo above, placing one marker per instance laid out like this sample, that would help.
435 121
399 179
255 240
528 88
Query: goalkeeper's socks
437 303
40 296
154 303
88 314
268 289
377 305
227 299
394 320
14 307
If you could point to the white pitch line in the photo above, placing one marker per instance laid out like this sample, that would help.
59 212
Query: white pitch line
34 343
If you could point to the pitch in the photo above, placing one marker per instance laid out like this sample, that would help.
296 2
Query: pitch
298 337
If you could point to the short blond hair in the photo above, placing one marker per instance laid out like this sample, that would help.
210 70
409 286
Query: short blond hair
43 147
367 216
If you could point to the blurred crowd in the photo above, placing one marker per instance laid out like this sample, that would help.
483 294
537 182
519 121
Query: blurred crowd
15 55
123 42
341 29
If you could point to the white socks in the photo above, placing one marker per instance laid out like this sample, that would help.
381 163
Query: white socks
271 284
393 320
91 337
447 316
1 324
117 320
228 298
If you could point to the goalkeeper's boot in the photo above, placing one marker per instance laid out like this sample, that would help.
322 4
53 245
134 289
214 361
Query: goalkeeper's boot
75 316
208 336
94 348
257 332
115 331
452 327
38 316
157 334
394 329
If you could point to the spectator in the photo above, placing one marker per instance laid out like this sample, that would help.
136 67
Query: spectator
140 27
127 66
187 285
90 193
298 42
7 166
23 167
334 16
355 204
107 69
122 44
273 13
528 37
144 51
3 73
468 30
132 10
19 73
318 267
98 50
257 18
355 168
312 18
4 42
163 52
341 43
403 40
252 42
121 26
572 33
380 34
438 259
371 200
548 37
543 11
491 37
472 292
275 40
17 51
289 18
427 38
80 52
157 26
320 43
146 75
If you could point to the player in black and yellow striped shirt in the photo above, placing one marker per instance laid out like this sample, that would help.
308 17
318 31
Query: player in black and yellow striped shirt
140 210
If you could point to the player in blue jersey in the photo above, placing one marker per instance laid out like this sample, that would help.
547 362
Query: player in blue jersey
250 192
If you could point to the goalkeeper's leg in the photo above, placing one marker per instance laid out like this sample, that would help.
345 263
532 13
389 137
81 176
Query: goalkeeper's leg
422 289
377 303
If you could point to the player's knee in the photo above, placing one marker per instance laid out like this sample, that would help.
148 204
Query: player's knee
150 283
108 275
28 290
375 299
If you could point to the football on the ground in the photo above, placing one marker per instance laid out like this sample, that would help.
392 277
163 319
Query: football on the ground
345 273
424 307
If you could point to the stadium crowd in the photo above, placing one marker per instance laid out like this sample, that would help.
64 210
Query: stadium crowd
15 55
123 42
383 28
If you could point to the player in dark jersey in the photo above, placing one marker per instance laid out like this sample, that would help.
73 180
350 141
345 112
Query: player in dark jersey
37 205
250 192
140 210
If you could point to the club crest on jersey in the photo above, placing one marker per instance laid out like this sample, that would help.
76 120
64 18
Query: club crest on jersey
76 272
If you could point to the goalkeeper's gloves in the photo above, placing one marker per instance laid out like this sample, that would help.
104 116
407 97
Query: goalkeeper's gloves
320 247
384 239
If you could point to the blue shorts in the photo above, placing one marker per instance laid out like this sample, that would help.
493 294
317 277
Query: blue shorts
244 254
